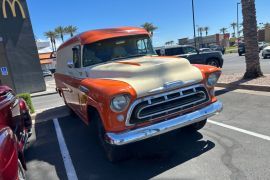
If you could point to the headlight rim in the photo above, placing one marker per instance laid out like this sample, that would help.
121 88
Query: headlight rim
128 99
217 74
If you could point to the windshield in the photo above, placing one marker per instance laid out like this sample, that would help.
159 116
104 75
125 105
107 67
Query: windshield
117 48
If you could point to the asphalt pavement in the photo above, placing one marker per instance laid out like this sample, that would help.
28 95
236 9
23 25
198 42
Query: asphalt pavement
233 63
233 145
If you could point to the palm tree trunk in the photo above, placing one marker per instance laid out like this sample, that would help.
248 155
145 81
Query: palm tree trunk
253 69
52 44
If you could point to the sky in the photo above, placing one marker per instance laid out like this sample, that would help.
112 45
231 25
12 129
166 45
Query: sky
172 17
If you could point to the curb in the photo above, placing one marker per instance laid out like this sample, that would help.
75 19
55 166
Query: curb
247 87
45 94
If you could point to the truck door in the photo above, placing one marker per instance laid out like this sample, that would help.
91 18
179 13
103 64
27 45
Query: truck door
75 96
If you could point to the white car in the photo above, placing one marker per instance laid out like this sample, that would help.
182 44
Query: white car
266 52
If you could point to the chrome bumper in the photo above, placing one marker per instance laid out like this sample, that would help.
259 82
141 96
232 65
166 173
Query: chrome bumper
163 127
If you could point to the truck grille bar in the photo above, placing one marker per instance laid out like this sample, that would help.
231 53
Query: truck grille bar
162 105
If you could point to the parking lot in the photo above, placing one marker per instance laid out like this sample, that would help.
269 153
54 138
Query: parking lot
233 145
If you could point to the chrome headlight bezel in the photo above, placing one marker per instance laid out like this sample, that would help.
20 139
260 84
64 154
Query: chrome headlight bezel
119 103
212 79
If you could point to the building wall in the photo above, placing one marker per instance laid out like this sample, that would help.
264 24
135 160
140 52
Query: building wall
267 34
20 51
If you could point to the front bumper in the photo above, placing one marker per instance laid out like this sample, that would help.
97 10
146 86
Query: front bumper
163 127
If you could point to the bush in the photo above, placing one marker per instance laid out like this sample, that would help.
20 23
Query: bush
27 98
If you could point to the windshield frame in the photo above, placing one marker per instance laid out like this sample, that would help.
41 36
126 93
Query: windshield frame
147 42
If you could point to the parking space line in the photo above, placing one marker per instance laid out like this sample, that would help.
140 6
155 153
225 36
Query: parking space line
70 170
241 130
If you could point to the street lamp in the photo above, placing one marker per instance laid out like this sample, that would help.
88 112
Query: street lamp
238 22
194 31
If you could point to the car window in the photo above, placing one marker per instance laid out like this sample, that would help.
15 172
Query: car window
77 56
189 50
173 51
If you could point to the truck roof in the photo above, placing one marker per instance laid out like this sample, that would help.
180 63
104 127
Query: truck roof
101 34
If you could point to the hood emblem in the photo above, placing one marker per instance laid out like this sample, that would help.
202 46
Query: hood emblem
172 85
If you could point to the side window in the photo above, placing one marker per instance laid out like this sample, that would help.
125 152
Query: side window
141 46
77 56
189 50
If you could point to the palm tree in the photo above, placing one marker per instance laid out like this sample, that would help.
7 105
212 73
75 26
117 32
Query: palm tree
200 30
60 31
71 30
149 27
223 30
233 25
52 36
253 68
206 29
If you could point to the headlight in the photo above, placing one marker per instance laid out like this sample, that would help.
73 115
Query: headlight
212 79
119 103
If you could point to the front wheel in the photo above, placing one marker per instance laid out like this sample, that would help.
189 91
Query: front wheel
213 62
114 153
197 126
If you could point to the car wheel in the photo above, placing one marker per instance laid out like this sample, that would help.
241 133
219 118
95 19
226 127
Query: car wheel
213 62
240 54
21 172
197 126
264 56
114 153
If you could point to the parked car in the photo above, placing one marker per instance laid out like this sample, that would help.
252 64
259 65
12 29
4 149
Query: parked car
15 120
194 56
217 48
12 165
266 52
47 73
205 50
114 81
241 49
262 45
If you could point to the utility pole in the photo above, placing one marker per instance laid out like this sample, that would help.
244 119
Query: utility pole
194 31
238 21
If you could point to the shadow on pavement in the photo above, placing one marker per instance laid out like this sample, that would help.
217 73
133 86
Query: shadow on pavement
43 156
148 159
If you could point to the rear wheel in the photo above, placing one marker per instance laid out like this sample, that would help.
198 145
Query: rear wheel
114 153
213 62
197 126
240 54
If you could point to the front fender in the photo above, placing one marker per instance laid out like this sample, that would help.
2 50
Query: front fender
100 94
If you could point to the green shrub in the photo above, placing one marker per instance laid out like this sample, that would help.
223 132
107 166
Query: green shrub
27 98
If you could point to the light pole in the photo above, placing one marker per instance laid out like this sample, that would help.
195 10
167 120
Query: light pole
194 31
238 22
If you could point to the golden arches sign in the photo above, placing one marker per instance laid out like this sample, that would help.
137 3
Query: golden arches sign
12 6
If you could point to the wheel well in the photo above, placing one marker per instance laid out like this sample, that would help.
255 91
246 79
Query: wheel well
92 113
214 58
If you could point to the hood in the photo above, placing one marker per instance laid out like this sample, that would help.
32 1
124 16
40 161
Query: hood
147 74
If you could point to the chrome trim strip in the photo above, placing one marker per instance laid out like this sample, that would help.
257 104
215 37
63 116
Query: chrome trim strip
163 127
178 107
147 98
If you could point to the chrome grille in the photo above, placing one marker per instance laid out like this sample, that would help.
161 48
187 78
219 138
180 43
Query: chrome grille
158 106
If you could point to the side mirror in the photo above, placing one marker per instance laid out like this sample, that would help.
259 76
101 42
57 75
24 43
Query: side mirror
70 64
198 51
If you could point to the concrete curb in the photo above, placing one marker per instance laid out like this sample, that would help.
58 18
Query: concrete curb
247 87
45 94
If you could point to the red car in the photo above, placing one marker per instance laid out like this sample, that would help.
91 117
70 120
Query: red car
15 129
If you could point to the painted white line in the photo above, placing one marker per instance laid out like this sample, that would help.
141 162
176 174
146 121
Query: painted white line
70 170
241 130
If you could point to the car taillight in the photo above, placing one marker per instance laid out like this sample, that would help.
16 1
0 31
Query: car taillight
23 105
